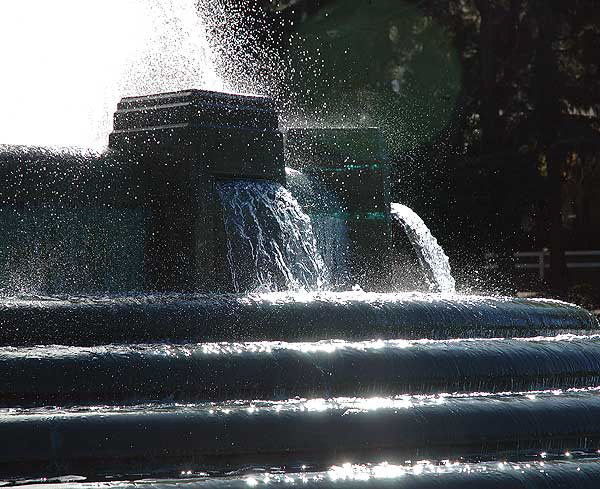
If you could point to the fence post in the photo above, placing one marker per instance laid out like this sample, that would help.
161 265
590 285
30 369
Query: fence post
542 264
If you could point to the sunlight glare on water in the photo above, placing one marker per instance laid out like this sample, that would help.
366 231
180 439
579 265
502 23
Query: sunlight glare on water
66 64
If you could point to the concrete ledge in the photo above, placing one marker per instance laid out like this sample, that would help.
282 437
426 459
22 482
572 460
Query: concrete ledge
35 177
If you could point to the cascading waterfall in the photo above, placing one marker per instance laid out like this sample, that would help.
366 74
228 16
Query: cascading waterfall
431 255
271 244
328 223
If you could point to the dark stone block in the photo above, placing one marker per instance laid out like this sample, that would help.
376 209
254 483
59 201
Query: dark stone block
184 142
232 136
353 163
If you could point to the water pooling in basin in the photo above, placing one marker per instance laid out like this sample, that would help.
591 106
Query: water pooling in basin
433 260
271 244
579 472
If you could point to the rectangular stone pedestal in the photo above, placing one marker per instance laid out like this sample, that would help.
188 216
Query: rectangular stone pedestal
185 142
352 163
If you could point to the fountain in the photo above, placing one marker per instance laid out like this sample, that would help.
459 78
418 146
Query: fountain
181 309
186 372
158 177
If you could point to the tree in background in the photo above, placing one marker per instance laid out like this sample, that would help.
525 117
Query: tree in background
490 108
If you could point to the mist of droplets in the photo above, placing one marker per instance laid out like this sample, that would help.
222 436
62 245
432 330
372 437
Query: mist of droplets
69 64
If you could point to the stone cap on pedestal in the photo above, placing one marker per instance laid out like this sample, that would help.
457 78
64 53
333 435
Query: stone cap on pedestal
352 162
339 147
227 135
196 107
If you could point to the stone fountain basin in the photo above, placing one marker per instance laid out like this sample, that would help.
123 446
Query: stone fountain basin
154 384
216 372
161 438
181 318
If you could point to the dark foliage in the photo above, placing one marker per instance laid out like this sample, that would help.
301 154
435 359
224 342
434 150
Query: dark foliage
491 109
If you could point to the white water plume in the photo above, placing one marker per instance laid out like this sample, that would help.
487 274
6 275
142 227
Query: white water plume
434 261
65 64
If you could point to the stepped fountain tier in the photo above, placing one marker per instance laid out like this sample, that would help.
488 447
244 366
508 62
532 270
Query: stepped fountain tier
167 312
188 372
160 385
217 437
178 318
145 214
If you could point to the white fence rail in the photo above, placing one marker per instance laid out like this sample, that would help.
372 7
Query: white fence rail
540 260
